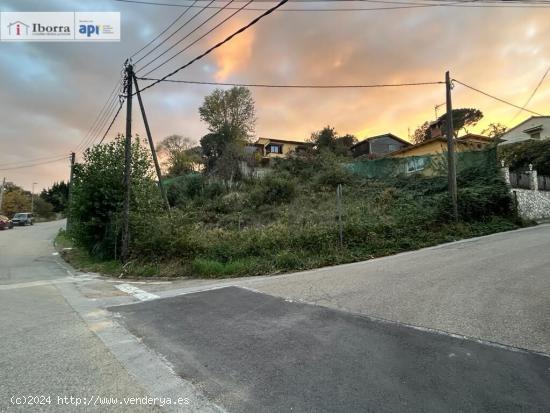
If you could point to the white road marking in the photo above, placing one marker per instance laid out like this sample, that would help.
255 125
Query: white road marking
136 292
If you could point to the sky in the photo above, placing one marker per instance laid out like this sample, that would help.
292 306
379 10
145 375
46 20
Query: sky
51 93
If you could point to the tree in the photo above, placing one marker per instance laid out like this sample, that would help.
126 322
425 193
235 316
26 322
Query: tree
231 110
57 195
98 193
15 200
43 208
421 133
327 139
494 130
181 156
462 118
214 147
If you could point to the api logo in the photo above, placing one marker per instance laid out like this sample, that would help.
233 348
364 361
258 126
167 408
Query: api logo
89 29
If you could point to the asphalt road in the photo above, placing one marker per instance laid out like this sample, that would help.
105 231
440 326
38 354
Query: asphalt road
495 288
46 347
321 347
253 352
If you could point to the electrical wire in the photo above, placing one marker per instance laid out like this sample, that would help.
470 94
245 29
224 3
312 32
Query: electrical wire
277 86
161 33
98 120
219 44
42 158
65 157
176 31
532 94
482 4
112 121
495 98
199 39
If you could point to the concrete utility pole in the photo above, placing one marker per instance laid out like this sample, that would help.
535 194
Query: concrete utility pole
127 165
71 176
451 159
152 146
2 193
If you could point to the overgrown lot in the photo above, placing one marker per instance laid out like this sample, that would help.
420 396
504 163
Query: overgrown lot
288 220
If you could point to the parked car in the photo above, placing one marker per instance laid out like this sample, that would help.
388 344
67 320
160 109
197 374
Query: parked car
5 222
23 218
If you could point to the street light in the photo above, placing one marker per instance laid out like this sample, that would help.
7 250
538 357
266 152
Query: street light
32 197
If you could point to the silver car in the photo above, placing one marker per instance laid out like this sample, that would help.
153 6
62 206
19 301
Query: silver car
22 219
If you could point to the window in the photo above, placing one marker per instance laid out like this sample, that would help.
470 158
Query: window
275 148
392 147
535 135
415 164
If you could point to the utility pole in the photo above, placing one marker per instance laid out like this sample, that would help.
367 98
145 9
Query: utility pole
451 159
152 146
2 193
127 164
32 197
70 197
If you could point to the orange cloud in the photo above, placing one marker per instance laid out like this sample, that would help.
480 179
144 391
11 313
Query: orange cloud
235 55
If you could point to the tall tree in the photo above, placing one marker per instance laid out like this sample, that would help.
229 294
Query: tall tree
231 109
57 195
462 119
230 116
179 154
495 130
327 139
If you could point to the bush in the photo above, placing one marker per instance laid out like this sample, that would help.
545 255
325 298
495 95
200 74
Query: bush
518 156
273 189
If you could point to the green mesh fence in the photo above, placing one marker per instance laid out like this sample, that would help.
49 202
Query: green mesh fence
430 165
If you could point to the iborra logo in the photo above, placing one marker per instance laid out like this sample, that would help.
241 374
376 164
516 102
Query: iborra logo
18 28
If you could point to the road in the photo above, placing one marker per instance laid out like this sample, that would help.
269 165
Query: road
459 327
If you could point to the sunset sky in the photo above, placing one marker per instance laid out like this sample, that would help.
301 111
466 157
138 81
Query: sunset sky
51 92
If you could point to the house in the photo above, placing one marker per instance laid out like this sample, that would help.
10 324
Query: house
536 127
17 30
269 148
419 153
379 145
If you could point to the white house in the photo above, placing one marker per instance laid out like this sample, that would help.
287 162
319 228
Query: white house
536 127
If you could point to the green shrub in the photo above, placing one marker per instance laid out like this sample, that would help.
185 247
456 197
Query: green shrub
272 190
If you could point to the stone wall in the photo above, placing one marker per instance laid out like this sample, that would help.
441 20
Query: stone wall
532 204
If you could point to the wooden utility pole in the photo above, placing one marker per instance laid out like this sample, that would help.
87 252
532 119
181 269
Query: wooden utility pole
451 159
70 197
127 165
152 146
2 193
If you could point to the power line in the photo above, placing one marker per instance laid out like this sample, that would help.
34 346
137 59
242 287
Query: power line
35 164
458 3
98 120
164 31
199 39
189 34
176 31
495 98
219 44
532 94
42 158
112 121
295 86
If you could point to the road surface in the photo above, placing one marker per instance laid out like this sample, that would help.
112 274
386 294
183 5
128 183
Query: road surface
383 335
